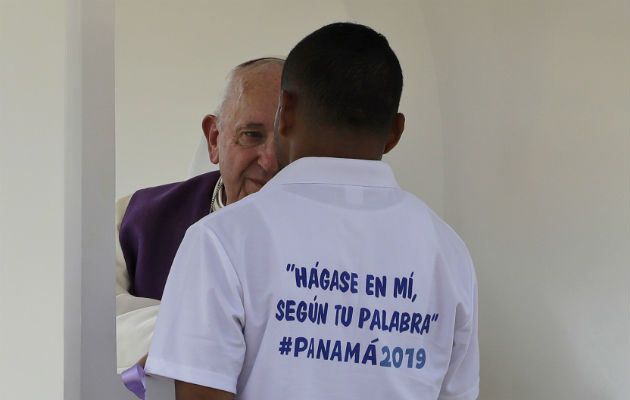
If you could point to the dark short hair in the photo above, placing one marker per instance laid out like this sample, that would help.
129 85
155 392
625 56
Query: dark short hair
347 76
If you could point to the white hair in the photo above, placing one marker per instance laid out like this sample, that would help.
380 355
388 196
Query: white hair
229 88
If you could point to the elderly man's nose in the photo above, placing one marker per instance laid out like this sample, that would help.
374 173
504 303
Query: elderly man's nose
267 158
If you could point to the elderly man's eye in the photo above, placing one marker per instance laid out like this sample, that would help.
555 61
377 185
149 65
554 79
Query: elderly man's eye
251 138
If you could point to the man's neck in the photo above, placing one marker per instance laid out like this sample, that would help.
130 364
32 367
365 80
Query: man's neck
341 148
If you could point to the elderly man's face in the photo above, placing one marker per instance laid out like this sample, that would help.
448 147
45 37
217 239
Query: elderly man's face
242 143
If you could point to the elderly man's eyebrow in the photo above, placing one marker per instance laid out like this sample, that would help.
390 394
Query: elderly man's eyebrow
251 125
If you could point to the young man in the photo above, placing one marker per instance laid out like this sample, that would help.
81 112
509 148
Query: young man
331 282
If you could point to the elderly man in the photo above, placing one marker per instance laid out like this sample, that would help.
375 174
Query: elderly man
331 282
152 221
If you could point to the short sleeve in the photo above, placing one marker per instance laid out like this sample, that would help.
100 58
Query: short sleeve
199 332
462 378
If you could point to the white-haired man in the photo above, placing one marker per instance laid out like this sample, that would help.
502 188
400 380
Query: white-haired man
151 223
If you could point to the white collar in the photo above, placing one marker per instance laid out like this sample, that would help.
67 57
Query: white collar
336 171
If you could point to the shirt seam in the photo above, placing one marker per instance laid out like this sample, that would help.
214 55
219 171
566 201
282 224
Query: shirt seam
183 373
227 256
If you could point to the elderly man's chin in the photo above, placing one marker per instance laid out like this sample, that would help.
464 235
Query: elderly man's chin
252 186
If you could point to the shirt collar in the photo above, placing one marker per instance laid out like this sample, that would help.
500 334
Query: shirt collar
336 171
216 201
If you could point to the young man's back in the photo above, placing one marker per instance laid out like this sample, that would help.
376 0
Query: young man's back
330 283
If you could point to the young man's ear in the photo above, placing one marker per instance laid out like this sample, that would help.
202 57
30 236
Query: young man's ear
211 132
285 115
398 126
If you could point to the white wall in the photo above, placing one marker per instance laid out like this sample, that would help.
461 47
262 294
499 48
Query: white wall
534 101
32 126
99 380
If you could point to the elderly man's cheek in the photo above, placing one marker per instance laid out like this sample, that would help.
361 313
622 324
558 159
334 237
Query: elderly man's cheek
252 186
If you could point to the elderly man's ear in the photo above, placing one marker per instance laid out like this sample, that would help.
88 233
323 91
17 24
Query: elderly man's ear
211 132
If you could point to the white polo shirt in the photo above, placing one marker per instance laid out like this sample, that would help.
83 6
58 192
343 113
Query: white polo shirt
329 283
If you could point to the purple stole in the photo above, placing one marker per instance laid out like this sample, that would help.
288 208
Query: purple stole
154 225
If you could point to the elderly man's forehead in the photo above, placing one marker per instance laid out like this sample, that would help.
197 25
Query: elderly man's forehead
249 78
252 75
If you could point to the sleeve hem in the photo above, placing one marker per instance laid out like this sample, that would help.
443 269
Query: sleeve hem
472 394
156 366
